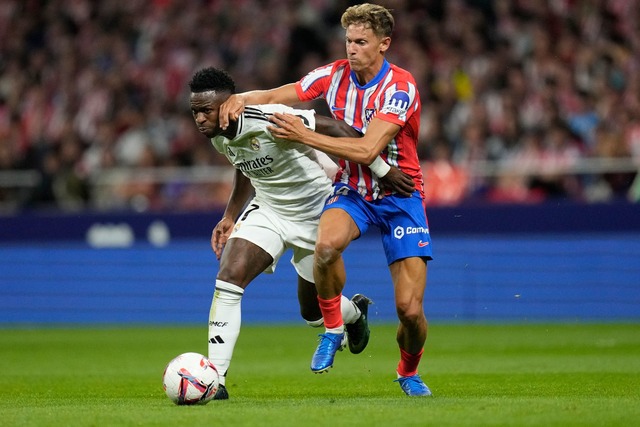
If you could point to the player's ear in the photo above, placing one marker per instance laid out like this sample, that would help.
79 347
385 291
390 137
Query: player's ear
385 42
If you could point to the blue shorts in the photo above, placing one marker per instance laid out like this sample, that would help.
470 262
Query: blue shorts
402 221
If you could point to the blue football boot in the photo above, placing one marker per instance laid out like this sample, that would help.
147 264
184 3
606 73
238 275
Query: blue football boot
413 386
323 357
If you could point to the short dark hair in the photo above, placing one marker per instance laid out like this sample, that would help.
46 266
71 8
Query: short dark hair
211 78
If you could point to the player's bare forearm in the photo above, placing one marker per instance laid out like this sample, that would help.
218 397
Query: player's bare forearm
360 150
242 190
285 94
240 193
234 105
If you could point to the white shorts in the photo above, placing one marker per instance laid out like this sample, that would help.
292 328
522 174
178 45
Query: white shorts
261 226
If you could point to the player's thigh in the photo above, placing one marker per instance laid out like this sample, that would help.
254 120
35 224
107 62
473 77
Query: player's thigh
336 229
263 228
242 261
405 230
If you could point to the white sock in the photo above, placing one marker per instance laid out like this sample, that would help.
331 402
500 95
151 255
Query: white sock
338 330
350 313
224 325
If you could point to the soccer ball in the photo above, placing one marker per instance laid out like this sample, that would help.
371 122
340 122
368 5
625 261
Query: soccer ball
190 379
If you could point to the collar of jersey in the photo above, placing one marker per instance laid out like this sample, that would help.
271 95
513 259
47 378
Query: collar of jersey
239 125
376 79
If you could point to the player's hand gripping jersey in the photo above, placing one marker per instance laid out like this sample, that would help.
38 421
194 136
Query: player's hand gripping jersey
286 175
391 96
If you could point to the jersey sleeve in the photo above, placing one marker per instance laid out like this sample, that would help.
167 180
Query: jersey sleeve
401 101
314 85
308 117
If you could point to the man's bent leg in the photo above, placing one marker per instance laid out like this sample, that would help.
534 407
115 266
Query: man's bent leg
335 231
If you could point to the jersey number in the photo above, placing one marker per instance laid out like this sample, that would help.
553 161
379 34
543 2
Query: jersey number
342 191
251 208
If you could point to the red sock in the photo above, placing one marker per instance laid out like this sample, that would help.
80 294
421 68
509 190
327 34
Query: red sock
408 365
331 311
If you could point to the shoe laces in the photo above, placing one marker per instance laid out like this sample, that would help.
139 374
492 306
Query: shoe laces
412 383
327 340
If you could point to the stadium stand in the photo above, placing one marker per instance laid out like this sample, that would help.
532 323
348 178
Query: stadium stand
524 101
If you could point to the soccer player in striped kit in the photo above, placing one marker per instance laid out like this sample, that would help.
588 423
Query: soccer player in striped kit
382 101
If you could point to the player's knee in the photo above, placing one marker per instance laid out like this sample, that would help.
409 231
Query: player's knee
325 255
410 312
231 275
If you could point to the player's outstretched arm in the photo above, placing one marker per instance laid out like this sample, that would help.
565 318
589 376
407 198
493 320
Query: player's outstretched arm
234 105
390 177
242 190
362 150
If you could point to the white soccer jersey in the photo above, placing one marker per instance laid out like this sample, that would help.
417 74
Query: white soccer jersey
286 175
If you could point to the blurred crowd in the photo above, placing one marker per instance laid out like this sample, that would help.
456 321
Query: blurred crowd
517 94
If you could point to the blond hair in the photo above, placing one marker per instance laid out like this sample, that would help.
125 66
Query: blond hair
373 16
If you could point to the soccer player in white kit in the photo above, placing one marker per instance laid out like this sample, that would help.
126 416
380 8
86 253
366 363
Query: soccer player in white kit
291 183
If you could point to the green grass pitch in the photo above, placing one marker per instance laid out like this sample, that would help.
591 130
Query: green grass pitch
497 375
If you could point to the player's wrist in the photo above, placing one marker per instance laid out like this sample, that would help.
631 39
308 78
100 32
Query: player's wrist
379 167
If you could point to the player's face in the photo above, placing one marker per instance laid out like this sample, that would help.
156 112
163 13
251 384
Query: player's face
365 50
205 107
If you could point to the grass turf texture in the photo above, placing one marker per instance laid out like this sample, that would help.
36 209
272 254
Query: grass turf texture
551 375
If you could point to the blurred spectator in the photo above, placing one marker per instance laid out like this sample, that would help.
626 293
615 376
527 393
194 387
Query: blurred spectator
520 167
583 120
611 185
445 182
560 151
470 151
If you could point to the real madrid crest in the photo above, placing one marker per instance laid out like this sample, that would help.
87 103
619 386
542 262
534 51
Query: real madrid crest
255 144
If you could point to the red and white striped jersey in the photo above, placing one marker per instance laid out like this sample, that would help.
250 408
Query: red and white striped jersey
391 96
